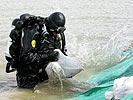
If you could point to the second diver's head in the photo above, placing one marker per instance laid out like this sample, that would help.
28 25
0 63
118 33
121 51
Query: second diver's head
55 23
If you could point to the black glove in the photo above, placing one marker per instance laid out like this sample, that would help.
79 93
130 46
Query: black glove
53 56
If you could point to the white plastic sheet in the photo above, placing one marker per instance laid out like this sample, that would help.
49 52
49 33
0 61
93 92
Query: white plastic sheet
65 67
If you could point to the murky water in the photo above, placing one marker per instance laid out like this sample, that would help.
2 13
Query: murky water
97 32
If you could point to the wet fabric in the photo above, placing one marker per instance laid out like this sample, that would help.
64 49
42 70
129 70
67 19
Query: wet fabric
105 79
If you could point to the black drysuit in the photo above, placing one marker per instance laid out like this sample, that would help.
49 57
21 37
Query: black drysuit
31 50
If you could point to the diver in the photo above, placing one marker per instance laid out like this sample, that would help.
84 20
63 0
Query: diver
34 40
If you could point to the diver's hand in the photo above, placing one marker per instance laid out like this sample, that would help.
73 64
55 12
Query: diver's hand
53 56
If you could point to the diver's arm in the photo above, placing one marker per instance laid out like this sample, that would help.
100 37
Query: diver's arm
31 57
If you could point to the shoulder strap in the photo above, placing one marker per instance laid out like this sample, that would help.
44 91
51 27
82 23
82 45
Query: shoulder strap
63 43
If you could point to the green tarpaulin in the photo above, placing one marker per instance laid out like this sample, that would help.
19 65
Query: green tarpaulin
105 79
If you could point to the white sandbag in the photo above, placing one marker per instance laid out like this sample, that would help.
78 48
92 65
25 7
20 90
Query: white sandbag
54 70
122 87
65 67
